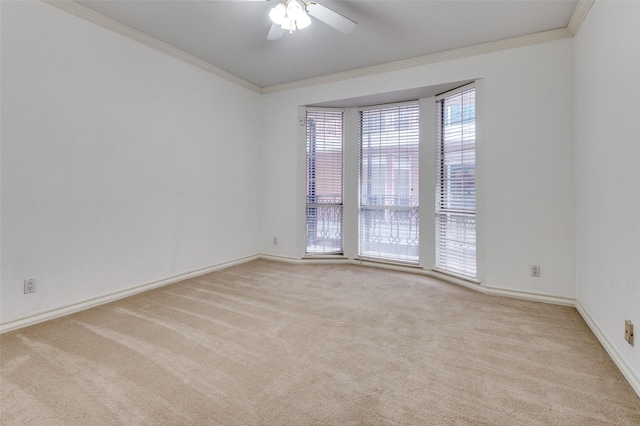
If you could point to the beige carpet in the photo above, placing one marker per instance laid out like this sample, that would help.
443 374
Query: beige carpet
277 344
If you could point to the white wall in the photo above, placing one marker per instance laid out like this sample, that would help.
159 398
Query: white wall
607 155
526 209
120 165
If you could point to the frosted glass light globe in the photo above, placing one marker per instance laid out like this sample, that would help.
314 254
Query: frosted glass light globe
278 13
294 10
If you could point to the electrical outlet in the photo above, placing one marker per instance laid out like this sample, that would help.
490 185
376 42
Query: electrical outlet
628 331
275 241
30 286
535 270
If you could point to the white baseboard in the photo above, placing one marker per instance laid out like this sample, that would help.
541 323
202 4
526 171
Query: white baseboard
283 259
627 371
517 294
101 300
536 297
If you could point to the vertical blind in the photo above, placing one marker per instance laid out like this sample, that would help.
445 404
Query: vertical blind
388 216
456 185
324 182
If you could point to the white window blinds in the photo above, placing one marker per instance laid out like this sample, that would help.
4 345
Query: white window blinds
324 182
456 185
388 216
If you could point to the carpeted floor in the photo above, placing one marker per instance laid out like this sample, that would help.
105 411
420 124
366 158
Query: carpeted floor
269 343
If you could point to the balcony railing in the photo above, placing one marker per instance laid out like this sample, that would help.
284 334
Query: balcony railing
390 233
324 229
386 232
456 243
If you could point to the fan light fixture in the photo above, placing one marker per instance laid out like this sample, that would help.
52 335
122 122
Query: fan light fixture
290 15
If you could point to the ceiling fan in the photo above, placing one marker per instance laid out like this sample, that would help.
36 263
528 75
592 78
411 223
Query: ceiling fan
291 15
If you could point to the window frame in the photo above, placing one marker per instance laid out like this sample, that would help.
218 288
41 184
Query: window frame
323 205
395 211
447 210
427 190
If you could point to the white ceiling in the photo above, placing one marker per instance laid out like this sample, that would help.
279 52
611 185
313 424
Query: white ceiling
231 35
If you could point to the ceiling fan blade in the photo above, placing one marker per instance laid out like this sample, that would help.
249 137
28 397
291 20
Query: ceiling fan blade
275 32
329 17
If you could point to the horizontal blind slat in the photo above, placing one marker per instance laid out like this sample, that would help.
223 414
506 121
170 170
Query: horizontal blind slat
324 211
456 191
389 182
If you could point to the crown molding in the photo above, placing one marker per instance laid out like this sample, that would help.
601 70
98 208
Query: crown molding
579 15
133 34
448 55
